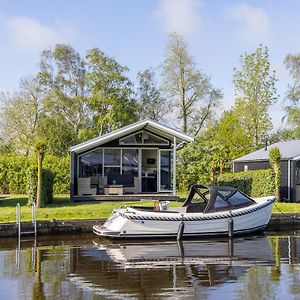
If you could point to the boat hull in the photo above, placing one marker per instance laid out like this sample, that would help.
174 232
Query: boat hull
132 223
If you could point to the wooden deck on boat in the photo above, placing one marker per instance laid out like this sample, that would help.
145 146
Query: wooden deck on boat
126 197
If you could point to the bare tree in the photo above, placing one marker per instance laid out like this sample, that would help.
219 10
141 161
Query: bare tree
152 104
21 115
292 63
188 88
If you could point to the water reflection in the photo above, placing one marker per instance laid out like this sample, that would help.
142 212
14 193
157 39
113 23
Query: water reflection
82 267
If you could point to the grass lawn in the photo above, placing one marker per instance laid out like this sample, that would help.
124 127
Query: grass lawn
287 208
63 209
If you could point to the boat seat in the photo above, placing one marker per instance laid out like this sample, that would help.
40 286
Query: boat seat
196 207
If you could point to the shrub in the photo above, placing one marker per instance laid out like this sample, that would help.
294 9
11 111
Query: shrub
47 186
254 183
193 166
60 166
15 172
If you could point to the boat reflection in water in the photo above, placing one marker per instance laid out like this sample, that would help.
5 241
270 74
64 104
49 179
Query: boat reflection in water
238 252
164 268
75 267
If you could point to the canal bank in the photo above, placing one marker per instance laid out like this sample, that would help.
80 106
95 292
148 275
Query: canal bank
278 222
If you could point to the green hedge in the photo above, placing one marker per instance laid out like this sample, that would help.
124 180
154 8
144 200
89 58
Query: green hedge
14 171
254 183
60 167
47 186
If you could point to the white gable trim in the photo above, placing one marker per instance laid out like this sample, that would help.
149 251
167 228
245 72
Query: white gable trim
164 131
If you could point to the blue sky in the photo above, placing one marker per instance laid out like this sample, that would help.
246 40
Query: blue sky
135 33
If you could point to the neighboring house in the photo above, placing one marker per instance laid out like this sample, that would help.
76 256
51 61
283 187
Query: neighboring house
136 159
290 167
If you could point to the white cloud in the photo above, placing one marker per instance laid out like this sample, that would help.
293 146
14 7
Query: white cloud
254 24
179 15
31 34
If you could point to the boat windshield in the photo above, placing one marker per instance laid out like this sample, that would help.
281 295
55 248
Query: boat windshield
198 199
214 198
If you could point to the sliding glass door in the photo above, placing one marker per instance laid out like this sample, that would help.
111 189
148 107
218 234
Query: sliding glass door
165 171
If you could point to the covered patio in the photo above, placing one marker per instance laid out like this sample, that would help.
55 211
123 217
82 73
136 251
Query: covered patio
135 162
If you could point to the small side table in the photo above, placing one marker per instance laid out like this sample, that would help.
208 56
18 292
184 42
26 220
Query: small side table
114 190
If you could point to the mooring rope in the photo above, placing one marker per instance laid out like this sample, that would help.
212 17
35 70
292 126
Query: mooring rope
279 209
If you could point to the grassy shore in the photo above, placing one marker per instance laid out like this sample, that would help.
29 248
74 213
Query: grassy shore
63 209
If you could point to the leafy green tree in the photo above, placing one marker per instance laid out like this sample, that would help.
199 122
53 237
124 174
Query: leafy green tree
199 161
189 89
63 74
212 152
59 134
152 105
255 92
275 158
292 64
111 101
21 115
6 147
282 134
232 140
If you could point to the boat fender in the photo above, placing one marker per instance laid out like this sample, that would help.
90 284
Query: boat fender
180 231
156 205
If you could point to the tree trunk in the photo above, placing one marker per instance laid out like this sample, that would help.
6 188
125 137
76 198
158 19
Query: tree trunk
213 175
221 166
38 285
39 183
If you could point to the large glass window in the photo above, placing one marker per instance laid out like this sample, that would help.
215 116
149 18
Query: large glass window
111 171
130 161
112 157
143 138
112 162
149 138
90 164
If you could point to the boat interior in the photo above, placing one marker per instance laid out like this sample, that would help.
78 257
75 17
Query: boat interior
206 199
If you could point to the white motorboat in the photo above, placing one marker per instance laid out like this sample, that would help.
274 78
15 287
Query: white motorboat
208 210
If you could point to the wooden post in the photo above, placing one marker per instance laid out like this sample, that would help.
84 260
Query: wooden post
174 166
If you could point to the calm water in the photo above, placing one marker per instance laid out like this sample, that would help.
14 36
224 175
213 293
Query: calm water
86 267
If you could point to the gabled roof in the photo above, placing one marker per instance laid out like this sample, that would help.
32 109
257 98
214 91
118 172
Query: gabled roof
150 125
288 150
